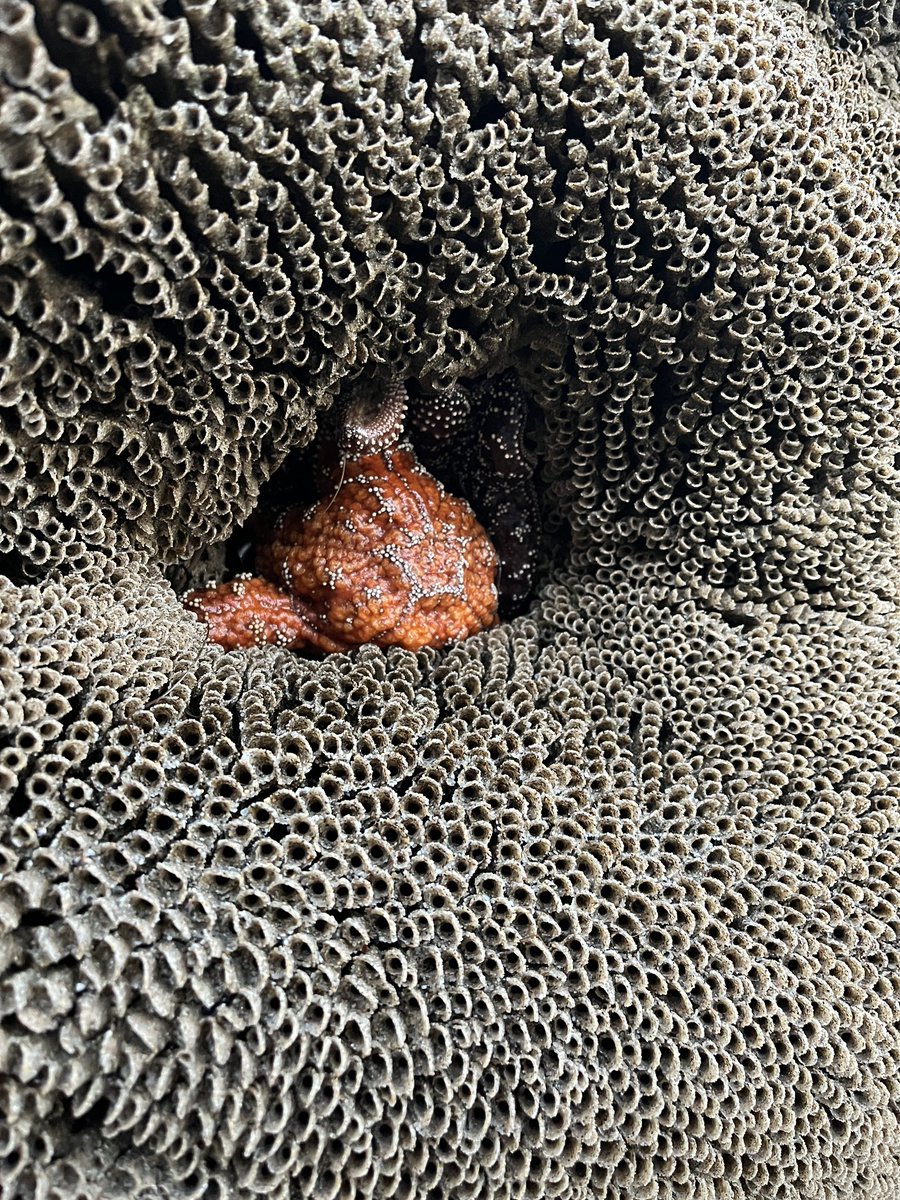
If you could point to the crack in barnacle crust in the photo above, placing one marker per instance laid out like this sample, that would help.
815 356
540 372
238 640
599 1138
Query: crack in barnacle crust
601 903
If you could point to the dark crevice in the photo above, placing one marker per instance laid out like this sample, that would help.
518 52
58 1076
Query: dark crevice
418 54
382 202
620 47
490 112
559 184
247 38
679 489
463 319
634 724
12 565
19 803
92 1119
664 393
161 88
116 291
703 174
575 128
416 252
738 620
330 97
552 256
775 435
34 918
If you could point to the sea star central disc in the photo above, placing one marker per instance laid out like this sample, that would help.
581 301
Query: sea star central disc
390 559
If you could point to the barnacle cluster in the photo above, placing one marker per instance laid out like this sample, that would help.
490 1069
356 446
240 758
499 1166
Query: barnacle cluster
601 903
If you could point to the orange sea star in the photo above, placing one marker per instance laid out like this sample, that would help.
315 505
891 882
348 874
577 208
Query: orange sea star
389 558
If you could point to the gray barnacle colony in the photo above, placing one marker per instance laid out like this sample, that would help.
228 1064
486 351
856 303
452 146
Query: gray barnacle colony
602 903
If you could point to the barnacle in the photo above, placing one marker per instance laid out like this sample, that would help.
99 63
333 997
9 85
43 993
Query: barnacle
603 901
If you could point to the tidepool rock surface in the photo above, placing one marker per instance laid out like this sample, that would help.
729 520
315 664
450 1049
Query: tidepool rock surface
602 904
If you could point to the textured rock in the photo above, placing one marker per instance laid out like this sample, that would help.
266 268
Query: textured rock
601 904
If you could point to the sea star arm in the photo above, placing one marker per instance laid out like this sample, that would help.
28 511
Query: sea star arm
250 611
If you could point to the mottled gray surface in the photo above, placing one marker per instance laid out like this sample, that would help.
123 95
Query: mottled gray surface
602 904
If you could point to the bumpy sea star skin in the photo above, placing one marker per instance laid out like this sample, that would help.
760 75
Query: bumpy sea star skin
441 420
368 423
475 439
250 611
390 557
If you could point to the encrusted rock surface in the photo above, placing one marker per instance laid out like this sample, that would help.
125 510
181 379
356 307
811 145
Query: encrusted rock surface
601 904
